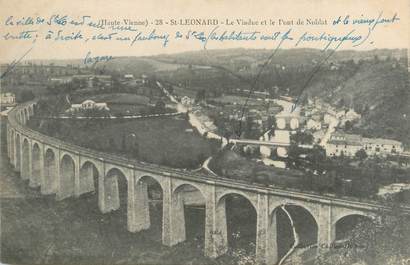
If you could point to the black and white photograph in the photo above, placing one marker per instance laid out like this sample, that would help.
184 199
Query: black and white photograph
205 132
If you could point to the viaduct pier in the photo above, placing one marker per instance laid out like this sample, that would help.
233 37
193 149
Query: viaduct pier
67 170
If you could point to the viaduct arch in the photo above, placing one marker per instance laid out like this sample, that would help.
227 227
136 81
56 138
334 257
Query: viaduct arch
89 177
68 170
49 184
68 175
36 165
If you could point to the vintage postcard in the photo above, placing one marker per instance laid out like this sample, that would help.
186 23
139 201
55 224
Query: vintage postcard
216 132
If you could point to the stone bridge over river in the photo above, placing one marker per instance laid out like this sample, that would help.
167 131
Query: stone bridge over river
68 170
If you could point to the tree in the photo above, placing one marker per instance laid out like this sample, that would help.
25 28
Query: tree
136 149
150 95
159 107
200 95
77 83
302 138
271 125
116 85
361 154
26 95
123 143
226 134
95 81
316 157
384 241
111 144
341 102
171 89
348 125
294 153
249 127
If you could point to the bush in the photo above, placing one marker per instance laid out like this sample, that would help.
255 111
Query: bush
26 95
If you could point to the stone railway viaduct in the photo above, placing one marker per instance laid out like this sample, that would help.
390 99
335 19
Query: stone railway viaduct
68 170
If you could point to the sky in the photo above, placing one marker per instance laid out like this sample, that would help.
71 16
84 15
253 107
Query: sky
394 35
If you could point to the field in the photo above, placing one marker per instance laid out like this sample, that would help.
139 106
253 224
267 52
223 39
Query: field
38 229
180 92
162 66
232 165
239 100
122 103
138 65
114 98
165 141
126 109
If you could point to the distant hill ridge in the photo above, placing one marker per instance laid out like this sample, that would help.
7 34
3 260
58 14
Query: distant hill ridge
307 52
374 82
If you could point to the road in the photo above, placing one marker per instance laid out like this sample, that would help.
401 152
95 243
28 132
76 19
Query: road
332 127
113 117
193 119
196 123
283 136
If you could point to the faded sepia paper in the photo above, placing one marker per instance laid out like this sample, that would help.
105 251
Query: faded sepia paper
395 35
127 125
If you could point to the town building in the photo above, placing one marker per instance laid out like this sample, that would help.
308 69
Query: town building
328 118
95 80
377 146
7 99
311 124
39 74
318 136
88 105
343 144
393 188
187 101
351 115
348 144
129 76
